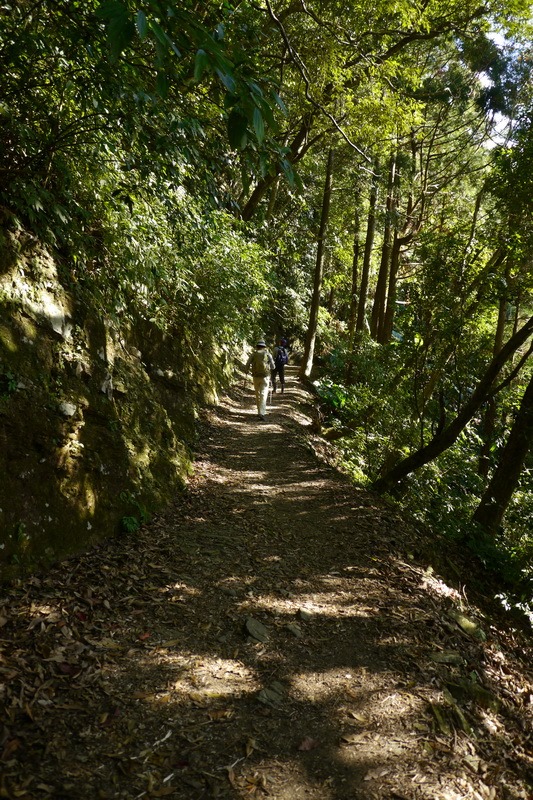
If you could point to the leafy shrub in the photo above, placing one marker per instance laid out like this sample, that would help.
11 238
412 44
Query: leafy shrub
8 383
130 524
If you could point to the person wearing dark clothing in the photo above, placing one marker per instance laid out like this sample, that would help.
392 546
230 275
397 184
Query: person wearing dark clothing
281 358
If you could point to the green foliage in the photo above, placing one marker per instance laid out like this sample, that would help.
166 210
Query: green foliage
516 539
139 219
367 408
8 383
206 51
334 396
130 524
132 136
379 422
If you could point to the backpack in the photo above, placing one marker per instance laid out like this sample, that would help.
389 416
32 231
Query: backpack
260 365
281 357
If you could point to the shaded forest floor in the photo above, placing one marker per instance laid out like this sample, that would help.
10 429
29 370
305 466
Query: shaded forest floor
275 633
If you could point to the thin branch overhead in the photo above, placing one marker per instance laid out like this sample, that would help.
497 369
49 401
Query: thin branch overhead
303 72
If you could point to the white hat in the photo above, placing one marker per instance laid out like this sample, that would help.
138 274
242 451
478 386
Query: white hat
261 343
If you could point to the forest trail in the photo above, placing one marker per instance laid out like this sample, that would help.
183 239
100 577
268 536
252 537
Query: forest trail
275 633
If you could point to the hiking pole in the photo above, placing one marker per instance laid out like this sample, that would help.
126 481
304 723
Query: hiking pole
270 393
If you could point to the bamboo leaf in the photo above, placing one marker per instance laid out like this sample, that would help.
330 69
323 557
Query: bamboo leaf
162 84
141 24
237 129
120 28
259 125
279 102
201 62
227 80
162 37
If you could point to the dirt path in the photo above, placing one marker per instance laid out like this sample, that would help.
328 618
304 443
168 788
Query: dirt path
275 633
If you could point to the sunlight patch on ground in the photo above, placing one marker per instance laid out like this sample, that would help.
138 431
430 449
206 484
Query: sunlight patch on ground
281 605
184 588
308 603
318 687
211 679
47 612
196 679
228 476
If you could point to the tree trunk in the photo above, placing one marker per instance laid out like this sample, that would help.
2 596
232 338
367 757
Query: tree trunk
497 496
489 418
380 296
355 273
400 238
385 330
309 351
446 438
369 240
331 300
296 152
273 198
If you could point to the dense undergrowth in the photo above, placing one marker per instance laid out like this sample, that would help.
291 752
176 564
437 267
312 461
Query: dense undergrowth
374 423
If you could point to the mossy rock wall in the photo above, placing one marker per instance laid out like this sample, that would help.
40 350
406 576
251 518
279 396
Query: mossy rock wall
97 418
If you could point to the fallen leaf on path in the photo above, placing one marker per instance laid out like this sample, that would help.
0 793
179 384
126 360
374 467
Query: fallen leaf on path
220 714
107 643
231 777
374 774
447 657
358 717
164 792
352 738
251 745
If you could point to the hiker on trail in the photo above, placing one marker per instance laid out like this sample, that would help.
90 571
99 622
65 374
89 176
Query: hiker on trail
262 364
281 357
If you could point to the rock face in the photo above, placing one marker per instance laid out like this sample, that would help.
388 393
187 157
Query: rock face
97 416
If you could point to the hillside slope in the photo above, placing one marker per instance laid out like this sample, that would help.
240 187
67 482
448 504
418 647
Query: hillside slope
97 411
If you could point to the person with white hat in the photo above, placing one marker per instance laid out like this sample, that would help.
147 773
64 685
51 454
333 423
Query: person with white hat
262 364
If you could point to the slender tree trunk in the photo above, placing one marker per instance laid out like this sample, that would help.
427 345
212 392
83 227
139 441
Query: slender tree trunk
497 496
273 198
310 338
446 438
369 241
477 206
489 419
385 330
517 314
331 299
355 273
380 296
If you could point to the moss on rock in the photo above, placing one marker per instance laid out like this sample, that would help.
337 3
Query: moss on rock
96 419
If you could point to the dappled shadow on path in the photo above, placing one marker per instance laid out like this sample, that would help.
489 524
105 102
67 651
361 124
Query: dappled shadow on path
151 675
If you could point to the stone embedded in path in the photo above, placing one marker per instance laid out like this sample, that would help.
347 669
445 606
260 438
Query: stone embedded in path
295 630
272 695
257 630
468 625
